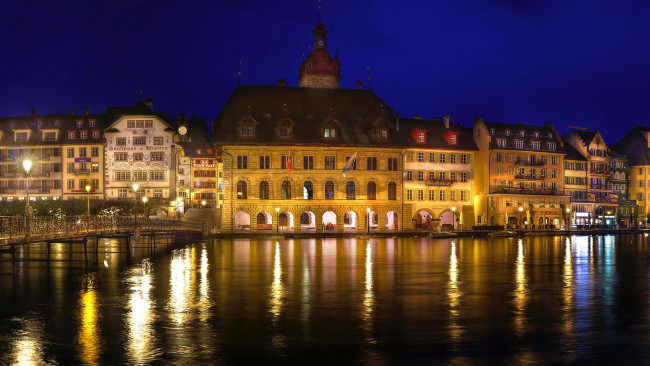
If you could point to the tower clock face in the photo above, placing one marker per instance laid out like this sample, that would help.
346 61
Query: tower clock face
321 43
182 130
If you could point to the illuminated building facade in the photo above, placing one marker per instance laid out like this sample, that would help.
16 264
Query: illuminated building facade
636 147
200 182
438 173
519 175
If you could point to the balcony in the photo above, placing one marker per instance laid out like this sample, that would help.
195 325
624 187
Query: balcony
528 163
599 172
439 182
530 177
37 174
517 190
600 187
8 175
81 171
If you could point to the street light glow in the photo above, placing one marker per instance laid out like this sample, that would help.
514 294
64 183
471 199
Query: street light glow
144 199
277 209
135 187
27 165
87 188
203 202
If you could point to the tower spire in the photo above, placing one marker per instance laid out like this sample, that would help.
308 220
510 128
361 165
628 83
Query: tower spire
320 9
239 74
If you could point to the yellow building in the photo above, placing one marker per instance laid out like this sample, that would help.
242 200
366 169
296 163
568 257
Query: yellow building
83 159
636 146
519 175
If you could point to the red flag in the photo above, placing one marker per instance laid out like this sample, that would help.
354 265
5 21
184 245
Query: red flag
289 161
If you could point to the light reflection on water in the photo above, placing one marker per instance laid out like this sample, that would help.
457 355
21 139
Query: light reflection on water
532 300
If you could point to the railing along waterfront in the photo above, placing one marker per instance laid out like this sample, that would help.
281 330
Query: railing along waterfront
45 226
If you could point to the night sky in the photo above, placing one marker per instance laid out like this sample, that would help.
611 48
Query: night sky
580 63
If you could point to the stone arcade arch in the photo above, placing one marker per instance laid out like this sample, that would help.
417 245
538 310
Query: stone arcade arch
307 221
448 220
329 221
392 221
242 221
423 219
350 221
264 221
285 221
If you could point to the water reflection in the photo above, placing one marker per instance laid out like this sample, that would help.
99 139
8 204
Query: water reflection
89 337
141 338
454 294
520 291
179 285
27 346
567 295
276 286
204 303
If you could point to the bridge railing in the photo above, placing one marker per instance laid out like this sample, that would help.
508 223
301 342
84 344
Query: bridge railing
16 226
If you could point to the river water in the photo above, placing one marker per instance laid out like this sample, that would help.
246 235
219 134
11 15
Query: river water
537 300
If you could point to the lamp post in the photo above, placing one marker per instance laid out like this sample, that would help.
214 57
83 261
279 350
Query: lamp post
521 210
27 166
453 220
144 209
203 204
368 219
135 187
88 201
277 219
568 219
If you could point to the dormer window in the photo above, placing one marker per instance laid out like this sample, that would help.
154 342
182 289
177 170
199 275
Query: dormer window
551 146
92 123
507 132
84 135
329 132
21 136
49 136
247 131
247 126
198 152
550 135
453 139
209 151
421 139
80 124
492 131
534 145
72 135
536 135
284 129
521 134
381 134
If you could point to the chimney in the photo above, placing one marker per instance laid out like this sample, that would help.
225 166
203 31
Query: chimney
359 85
87 111
149 103
417 116
397 121
72 112
282 82
445 119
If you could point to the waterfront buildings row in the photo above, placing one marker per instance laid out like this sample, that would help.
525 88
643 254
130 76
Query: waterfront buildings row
320 157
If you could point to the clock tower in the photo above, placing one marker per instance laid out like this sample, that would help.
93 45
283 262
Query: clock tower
320 69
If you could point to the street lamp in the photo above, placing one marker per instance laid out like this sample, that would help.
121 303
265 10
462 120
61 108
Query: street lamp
568 219
368 219
135 187
27 165
277 219
521 210
203 203
144 209
453 220
88 200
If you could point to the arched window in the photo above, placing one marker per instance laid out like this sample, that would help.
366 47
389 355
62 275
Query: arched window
346 219
392 191
261 218
350 193
329 190
308 190
264 190
372 191
304 218
242 193
286 190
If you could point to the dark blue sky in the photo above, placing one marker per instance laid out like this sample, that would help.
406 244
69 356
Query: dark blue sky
584 63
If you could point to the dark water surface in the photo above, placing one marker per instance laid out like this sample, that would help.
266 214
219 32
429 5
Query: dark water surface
381 301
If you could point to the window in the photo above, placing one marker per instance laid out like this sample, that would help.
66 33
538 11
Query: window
329 132
640 183
329 190
409 194
72 135
350 193
453 139
138 157
157 193
354 162
121 156
84 135
330 162
95 134
148 123
392 191
519 144
130 123
70 168
157 175
70 184
122 175
49 136
372 191
432 195
308 190
640 171
409 175
265 162
284 162
57 184
82 183
420 195
140 175
264 190
452 158
371 163
463 158
242 162
157 156
421 137
392 164
420 175
308 162
463 195
551 146
82 152
247 131
139 123
535 145
442 195
521 134
139 140
94 152
286 190
157 140
120 141
639 196
443 175
432 158
241 190
554 160
420 157
498 157
443 157
71 152
463 177
501 142
381 134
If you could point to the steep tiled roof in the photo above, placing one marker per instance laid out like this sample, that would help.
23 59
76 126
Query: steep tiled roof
435 135
635 146
546 133
572 153
61 122
198 138
353 112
